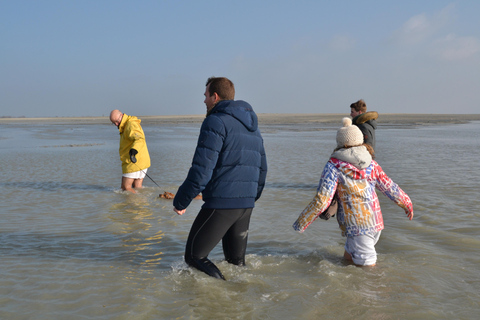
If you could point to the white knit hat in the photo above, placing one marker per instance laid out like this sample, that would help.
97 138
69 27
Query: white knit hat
349 135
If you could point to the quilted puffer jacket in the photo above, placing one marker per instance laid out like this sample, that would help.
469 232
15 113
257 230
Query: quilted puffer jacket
229 167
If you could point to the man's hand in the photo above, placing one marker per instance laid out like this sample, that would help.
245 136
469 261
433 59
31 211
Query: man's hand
179 212
132 154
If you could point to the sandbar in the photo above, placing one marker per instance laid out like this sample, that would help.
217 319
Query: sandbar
269 119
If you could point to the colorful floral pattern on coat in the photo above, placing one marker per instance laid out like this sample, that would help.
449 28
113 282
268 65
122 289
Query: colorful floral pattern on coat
359 209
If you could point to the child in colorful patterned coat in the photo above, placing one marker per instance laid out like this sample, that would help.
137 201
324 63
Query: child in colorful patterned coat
366 122
354 175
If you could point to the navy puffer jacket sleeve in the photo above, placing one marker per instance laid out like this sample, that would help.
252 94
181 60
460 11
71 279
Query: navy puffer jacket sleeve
209 145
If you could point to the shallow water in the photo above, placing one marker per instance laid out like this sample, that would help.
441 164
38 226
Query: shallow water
74 246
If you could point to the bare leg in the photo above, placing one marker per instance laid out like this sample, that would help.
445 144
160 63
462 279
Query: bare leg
127 184
347 256
138 183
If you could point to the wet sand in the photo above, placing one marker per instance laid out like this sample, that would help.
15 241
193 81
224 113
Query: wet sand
397 119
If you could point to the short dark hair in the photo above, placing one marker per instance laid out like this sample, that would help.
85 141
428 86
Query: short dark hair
360 105
222 86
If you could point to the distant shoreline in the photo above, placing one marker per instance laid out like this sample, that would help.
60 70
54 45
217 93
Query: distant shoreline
397 119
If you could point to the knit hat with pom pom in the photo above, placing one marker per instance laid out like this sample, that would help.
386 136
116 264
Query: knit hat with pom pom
348 135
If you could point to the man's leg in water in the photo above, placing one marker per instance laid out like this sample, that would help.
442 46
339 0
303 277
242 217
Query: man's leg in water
127 184
235 240
138 184
207 230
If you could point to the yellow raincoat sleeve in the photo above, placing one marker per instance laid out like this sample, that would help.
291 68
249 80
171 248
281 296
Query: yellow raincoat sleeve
134 133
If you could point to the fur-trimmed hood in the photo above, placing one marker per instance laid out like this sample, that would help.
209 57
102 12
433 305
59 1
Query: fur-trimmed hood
365 117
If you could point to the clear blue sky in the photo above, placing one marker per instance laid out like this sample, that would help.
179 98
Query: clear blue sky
84 58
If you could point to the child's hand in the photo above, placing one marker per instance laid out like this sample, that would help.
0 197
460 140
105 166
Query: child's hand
409 214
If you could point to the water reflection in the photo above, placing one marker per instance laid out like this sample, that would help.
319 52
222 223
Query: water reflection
132 221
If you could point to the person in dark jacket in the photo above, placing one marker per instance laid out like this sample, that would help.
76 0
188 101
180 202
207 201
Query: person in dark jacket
365 121
229 168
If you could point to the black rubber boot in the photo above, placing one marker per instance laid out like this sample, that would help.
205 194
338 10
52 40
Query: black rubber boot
206 266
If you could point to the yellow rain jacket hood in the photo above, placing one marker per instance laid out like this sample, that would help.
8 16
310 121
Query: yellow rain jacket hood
132 137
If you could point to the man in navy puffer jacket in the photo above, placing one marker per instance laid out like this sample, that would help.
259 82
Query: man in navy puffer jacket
229 168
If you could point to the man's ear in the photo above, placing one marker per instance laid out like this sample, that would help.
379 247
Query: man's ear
217 97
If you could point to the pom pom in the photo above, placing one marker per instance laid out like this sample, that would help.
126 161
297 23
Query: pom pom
346 122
